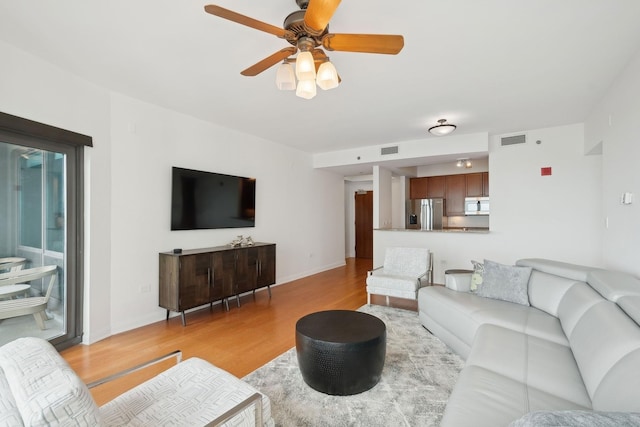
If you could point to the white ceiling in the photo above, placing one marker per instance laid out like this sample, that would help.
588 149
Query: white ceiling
494 66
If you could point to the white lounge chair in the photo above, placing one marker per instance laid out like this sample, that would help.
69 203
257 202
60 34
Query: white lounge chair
29 305
10 264
405 270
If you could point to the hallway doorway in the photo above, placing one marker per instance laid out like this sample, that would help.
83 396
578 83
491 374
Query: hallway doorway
364 224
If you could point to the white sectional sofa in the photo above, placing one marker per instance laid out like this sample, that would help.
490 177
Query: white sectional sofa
571 357
38 388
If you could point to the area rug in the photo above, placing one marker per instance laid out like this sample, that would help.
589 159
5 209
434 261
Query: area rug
417 379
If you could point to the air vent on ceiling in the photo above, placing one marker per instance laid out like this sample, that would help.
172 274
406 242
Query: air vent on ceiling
512 140
389 150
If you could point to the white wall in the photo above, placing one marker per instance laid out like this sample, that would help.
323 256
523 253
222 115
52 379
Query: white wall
555 216
303 216
128 178
36 90
615 124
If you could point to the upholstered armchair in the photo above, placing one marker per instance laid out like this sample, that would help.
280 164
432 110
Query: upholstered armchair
405 270
38 388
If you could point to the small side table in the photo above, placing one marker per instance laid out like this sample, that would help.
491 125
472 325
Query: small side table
13 290
452 279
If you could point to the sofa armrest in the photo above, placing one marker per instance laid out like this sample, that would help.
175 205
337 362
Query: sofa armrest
177 354
254 399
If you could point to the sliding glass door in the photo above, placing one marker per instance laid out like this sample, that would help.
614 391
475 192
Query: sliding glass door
41 222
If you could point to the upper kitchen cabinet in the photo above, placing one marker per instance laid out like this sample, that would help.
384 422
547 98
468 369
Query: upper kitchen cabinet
418 188
477 184
455 187
436 187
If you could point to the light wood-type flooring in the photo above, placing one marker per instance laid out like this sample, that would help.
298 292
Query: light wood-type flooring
239 341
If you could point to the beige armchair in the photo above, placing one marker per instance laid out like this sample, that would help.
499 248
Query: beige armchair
28 305
405 270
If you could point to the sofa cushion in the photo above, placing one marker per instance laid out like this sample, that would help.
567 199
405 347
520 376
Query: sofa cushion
533 361
378 279
46 390
606 345
462 313
505 282
483 398
547 290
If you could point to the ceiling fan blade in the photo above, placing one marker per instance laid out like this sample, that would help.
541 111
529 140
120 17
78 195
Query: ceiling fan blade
318 15
245 20
269 61
365 43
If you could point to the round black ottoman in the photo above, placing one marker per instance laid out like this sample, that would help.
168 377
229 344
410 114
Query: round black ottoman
341 352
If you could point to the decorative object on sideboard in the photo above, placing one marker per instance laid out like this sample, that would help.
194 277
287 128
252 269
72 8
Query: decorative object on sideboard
442 128
241 241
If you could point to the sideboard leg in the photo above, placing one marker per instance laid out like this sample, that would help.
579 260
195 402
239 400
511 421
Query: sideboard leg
184 320
167 315
269 289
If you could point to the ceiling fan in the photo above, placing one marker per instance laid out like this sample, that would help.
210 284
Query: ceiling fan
307 30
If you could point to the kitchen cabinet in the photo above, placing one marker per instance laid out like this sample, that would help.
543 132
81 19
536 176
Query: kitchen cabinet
436 187
455 186
203 276
478 184
418 188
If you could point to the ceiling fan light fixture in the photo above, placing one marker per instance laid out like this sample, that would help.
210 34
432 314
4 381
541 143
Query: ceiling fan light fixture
327 76
286 77
442 128
306 88
305 66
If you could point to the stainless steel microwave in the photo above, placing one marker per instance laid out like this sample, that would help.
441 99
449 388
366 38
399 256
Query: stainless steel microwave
476 206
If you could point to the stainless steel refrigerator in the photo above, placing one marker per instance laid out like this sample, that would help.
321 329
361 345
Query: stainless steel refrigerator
424 214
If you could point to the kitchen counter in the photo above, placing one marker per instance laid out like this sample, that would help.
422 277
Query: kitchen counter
445 230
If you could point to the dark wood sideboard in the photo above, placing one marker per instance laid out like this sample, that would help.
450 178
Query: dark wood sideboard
197 277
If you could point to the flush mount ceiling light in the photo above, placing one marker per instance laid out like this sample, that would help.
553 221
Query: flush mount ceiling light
442 128
466 163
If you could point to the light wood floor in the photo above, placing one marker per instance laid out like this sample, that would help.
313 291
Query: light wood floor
239 341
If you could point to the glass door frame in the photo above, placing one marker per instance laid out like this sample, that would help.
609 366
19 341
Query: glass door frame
19 131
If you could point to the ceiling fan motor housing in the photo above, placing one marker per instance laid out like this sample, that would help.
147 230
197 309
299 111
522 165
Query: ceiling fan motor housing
294 22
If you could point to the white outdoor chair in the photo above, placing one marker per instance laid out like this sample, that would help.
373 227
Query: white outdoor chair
29 305
405 270
10 264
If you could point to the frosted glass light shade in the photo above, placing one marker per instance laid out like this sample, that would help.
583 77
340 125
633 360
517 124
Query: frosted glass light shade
305 66
306 89
285 77
442 128
327 76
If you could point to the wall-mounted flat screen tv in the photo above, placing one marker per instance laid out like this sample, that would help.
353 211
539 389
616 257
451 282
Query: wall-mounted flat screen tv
205 200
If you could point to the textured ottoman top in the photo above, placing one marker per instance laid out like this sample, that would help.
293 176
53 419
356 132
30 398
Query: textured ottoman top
340 326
